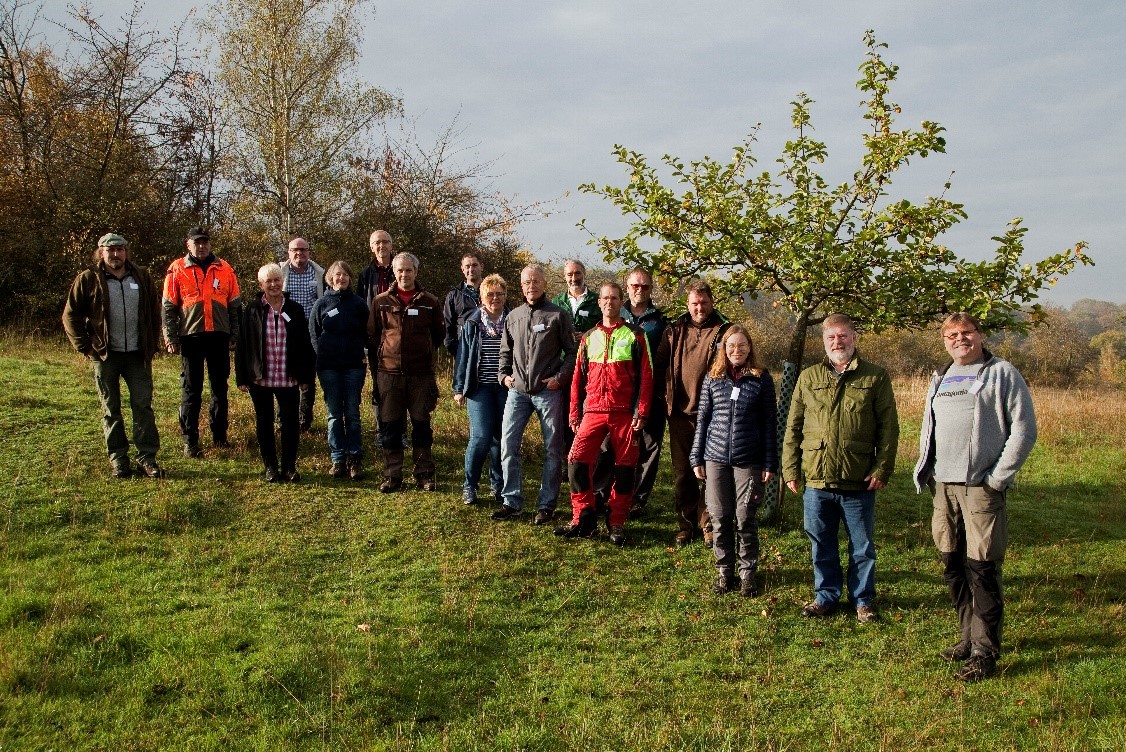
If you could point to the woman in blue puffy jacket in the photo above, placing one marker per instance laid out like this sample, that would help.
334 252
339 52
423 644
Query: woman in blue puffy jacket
736 452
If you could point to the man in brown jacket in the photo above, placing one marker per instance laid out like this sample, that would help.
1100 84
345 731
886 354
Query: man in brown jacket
682 360
405 328
112 316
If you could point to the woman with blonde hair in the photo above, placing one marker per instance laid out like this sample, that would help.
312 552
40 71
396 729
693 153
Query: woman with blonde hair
736 451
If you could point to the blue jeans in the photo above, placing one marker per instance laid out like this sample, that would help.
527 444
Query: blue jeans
825 509
518 409
486 408
342 389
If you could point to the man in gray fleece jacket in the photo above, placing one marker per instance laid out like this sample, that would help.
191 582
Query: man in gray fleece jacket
978 428
537 356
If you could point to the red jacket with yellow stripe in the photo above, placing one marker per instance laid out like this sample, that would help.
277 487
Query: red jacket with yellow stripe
198 300
613 373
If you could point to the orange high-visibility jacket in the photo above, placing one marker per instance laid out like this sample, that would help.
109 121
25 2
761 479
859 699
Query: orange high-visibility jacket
197 301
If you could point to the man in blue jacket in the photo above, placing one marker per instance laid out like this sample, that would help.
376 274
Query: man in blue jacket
978 429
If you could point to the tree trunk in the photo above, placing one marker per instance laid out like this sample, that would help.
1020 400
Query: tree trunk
775 490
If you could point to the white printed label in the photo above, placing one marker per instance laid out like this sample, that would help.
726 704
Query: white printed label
216 284
977 387
539 327
734 392
134 286
333 312
286 315
412 311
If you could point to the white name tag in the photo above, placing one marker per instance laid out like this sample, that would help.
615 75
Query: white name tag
977 387
333 312
539 327
286 315
412 311
134 286
734 392
216 284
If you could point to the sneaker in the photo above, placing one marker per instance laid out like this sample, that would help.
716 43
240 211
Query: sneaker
617 535
122 469
543 517
469 496
748 588
979 666
866 615
956 653
506 512
291 476
339 469
271 475
192 451
150 469
724 584
817 610
391 485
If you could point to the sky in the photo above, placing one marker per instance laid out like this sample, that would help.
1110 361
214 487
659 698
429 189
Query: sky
1032 96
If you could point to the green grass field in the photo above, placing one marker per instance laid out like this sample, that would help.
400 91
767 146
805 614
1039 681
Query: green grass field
212 611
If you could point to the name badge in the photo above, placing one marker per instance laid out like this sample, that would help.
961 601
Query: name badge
215 284
412 311
286 315
977 387
333 312
134 286
734 392
539 327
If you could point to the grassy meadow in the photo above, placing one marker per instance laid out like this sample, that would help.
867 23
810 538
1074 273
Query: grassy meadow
212 611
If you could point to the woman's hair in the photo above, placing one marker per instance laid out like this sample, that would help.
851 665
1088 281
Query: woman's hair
269 270
342 266
493 281
720 362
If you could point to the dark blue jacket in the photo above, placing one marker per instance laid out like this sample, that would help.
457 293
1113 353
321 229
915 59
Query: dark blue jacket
468 354
339 337
743 431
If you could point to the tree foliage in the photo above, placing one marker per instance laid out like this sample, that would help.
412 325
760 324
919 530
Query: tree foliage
295 109
850 247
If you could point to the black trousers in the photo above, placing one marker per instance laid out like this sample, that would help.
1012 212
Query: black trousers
197 350
287 399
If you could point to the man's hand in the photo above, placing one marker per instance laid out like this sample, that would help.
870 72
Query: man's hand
874 484
460 400
552 384
637 423
509 381
767 476
173 348
699 472
792 485
243 388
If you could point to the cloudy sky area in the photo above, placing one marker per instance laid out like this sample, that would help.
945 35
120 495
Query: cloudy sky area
1031 95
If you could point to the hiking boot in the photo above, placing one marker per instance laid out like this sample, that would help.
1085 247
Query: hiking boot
339 469
150 469
355 468
979 666
506 512
271 475
122 469
724 584
391 485
866 615
617 535
543 517
817 610
192 451
573 531
748 588
469 496
956 653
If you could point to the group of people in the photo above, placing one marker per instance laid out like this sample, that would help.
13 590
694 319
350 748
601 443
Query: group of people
605 373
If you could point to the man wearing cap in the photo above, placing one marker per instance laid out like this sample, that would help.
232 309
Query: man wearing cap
304 281
201 315
112 316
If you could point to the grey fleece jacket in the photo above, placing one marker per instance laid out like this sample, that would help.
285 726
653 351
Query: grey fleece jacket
1004 427
538 343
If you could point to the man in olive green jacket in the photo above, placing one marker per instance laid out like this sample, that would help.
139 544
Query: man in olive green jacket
842 436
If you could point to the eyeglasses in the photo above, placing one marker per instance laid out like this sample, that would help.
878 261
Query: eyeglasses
951 336
495 295
300 250
640 287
